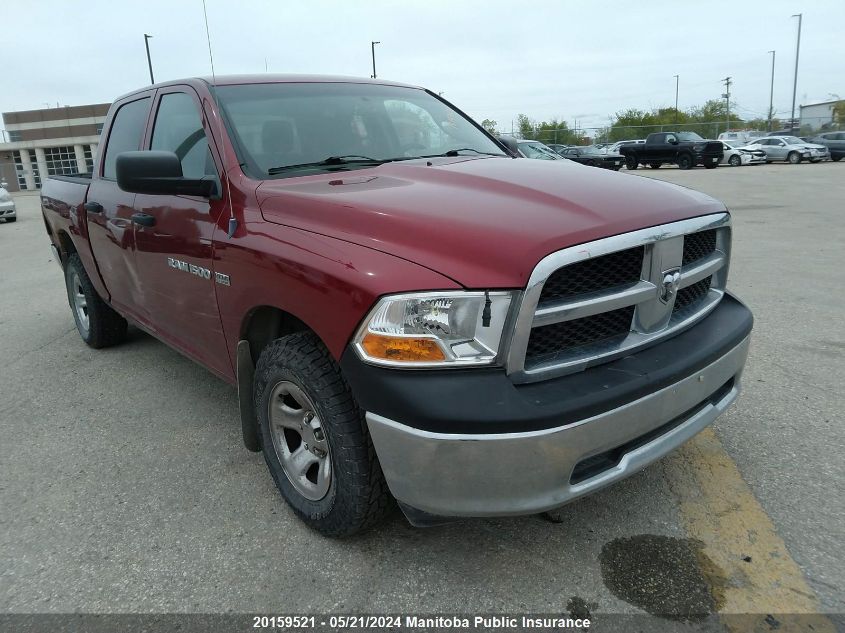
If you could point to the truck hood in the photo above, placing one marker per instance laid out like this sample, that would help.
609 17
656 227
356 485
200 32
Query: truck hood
483 222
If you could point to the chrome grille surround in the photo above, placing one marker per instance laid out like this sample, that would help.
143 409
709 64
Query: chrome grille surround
654 319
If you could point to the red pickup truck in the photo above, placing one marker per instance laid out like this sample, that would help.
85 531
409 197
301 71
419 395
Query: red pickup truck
409 311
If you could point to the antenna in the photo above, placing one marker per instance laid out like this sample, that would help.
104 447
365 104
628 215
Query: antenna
233 222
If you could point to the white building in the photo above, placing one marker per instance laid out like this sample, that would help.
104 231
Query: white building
817 115
49 142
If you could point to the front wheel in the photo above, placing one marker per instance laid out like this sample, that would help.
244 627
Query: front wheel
735 161
97 324
631 162
685 161
794 158
315 439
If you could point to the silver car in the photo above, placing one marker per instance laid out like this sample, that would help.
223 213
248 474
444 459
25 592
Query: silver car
790 149
7 205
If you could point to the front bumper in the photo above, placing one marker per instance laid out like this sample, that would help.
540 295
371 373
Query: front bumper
483 446
7 209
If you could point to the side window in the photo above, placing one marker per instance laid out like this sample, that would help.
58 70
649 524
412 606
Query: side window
178 129
125 134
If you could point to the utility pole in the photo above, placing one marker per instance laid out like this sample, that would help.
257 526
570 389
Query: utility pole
373 51
795 82
149 61
771 94
727 97
677 82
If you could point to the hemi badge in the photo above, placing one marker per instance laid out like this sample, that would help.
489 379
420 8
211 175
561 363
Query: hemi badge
222 279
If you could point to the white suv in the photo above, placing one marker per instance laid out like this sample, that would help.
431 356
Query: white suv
7 205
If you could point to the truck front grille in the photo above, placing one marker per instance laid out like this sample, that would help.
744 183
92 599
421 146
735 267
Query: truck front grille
591 275
578 312
548 341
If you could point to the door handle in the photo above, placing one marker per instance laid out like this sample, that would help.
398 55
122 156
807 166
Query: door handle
143 219
93 207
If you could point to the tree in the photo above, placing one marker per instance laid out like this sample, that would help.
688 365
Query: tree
490 126
525 126
839 113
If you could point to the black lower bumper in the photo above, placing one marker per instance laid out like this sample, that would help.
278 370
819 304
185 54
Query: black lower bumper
487 401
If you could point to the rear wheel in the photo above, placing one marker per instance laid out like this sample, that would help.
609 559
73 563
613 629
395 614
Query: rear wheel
836 159
685 161
315 438
735 161
711 165
97 324
655 165
631 162
794 158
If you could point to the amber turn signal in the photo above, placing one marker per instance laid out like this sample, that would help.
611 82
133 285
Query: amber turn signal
405 349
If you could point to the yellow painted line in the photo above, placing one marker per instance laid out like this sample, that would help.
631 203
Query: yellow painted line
718 509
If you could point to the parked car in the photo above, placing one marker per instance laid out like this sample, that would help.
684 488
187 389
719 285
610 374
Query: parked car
790 149
536 149
740 137
736 156
8 213
834 141
614 148
594 156
684 149
408 311
557 147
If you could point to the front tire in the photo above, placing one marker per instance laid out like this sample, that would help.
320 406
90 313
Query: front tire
315 439
97 324
685 161
735 161
631 163
794 158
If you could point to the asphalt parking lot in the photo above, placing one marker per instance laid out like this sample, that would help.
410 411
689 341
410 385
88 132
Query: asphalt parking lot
125 487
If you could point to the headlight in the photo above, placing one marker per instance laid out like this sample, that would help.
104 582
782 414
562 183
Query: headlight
434 329
698 148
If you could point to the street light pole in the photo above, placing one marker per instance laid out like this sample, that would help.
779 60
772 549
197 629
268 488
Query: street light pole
373 50
149 61
677 82
771 94
795 81
727 96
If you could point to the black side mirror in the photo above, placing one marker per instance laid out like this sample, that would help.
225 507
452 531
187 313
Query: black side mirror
673 140
510 143
160 173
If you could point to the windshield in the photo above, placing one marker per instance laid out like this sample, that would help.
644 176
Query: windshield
289 128
537 150
689 136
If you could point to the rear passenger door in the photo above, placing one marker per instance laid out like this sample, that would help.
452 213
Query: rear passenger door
175 251
109 210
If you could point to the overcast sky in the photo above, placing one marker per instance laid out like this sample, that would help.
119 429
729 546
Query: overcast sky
579 60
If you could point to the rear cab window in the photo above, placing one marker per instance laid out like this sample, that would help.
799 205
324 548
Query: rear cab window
125 134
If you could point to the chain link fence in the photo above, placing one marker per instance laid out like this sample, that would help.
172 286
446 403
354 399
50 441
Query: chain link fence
707 129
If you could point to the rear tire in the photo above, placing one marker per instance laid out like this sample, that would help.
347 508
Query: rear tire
794 158
685 161
836 159
735 161
655 165
631 162
97 324
315 439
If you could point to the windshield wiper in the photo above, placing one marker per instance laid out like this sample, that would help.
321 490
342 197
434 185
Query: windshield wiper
331 161
454 152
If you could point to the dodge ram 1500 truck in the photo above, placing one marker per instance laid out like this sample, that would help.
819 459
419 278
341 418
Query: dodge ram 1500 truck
684 149
408 311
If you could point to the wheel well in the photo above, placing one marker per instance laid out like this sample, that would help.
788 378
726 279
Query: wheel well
66 244
265 324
